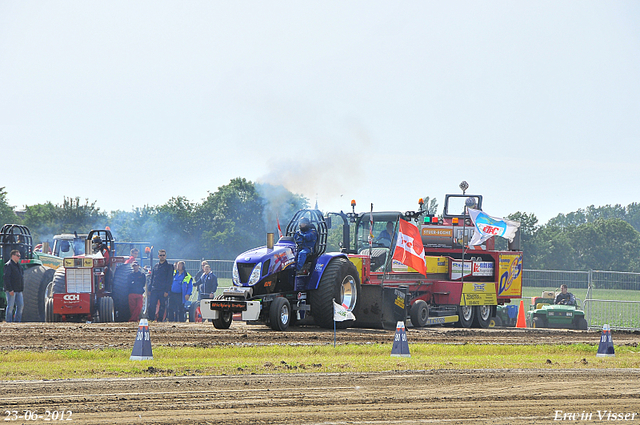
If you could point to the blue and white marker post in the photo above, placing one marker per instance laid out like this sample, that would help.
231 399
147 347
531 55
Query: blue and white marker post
142 346
400 344
605 349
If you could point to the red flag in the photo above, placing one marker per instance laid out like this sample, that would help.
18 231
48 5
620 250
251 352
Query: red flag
279 229
409 249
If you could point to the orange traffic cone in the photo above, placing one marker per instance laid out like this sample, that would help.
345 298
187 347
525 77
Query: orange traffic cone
521 321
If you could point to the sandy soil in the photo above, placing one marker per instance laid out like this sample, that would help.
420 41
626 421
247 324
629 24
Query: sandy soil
429 396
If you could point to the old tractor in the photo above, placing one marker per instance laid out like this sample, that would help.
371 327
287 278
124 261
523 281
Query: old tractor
543 313
91 287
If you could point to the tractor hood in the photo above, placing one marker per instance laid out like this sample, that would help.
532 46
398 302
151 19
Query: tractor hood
252 266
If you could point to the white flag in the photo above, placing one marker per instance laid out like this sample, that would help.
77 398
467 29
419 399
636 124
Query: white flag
340 313
487 226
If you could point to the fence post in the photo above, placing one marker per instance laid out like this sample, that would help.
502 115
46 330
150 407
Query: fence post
587 304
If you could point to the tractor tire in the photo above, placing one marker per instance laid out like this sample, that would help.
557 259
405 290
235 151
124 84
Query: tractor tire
106 310
340 281
59 282
419 313
466 316
581 324
280 314
120 292
49 315
482 316
36 279
225 318
194 312
538 322
495 322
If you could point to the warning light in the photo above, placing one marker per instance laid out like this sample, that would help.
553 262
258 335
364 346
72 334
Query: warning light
420 201
434 220
427 220
353 202
454 221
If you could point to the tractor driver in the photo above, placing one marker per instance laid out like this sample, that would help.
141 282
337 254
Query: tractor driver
564 297
305 239
385 237
98 246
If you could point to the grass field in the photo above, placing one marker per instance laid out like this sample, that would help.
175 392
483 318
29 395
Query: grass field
168 361
581 293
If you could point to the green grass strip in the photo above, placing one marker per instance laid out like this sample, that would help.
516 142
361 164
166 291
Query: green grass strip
170 361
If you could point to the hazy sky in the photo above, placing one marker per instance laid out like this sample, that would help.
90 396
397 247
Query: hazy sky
535 104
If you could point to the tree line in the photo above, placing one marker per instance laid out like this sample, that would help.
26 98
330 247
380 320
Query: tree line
237 216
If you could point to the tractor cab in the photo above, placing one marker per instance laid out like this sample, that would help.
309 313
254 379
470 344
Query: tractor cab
68 245
382 235
457 206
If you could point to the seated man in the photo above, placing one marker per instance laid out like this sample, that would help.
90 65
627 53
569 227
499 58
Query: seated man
564 297
305 239
385 238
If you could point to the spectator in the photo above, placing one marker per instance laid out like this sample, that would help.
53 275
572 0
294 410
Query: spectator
159 286
201 271
133 255
564 297
137 283
181 289
207 284
13 286
305 239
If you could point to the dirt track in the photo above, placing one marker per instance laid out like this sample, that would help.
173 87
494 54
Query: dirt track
430 396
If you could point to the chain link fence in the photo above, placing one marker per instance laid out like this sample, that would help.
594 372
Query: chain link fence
608 297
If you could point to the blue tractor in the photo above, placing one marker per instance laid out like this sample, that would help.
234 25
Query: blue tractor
268 289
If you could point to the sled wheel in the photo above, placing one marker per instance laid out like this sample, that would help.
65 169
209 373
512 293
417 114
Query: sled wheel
419 313
482 316
465 316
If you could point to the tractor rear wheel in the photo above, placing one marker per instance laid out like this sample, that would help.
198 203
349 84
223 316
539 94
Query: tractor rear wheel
120 292
482 316
419 313
59 283
340 281
466 316
280 314
581 324
106 310
36 279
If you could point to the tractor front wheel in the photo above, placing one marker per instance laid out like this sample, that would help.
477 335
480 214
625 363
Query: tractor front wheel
106 310
280 314
224 318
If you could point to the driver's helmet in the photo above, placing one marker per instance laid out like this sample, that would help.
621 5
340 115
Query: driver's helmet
304 224
96 243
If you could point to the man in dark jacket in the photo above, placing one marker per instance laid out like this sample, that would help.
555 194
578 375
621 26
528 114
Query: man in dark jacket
564 297
207 284
305 239
13 286
160 286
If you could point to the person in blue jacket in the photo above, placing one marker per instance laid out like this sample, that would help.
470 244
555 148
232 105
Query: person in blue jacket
305 239
207 284
181 289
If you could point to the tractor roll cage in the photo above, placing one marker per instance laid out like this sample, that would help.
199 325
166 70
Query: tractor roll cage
15 236
317 220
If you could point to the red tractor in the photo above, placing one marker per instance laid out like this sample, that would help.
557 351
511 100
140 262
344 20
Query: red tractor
90 287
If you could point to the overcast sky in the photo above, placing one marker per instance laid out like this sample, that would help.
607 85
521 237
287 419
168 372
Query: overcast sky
535 104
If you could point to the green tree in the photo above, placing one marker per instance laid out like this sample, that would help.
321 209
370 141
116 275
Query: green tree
231 220
606 244
7 214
